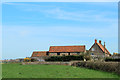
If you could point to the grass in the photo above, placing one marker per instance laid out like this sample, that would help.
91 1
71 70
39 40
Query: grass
51 71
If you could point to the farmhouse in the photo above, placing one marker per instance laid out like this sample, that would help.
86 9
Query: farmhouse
96 49
99 49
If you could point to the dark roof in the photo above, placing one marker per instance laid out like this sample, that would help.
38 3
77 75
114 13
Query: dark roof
67 48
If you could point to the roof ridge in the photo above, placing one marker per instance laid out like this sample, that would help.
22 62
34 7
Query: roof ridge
68 45
40 51
100 45
67 48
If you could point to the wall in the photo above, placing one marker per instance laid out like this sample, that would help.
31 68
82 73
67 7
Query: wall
49 63
97 50
74 53
64 53
52 54
61 54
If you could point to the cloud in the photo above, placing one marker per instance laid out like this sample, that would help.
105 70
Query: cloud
22 37
77 15
85 16
61 13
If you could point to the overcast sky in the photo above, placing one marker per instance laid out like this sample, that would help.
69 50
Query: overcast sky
29 27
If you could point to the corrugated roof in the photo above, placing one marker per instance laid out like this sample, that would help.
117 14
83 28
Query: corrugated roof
67 48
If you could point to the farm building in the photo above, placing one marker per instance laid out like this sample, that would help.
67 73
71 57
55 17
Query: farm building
60 50
39 53
99 49
96 49
66 50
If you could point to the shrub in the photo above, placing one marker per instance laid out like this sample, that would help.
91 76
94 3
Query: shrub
65 58
33 60
111 59
104 66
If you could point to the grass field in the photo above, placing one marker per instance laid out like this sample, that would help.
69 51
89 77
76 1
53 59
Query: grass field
51 71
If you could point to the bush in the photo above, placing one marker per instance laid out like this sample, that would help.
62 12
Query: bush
104 66
33 60
111 59
65 58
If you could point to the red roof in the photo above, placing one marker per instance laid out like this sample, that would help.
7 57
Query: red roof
39 53
102 48
67 48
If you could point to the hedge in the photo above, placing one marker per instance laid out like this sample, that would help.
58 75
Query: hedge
103 66
111 59
65 58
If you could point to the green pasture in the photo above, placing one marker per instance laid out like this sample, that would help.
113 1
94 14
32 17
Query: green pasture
51 71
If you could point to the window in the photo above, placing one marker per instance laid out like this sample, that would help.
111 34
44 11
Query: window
78 53
47 53
58 53
93 49
68 53
92 54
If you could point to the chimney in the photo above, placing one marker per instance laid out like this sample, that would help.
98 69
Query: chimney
95 40
104 44
104 47
100 41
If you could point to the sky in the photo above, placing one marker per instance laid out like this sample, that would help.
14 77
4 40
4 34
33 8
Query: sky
35 26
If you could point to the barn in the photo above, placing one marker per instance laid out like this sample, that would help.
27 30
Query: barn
66 50
60 51
39 55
